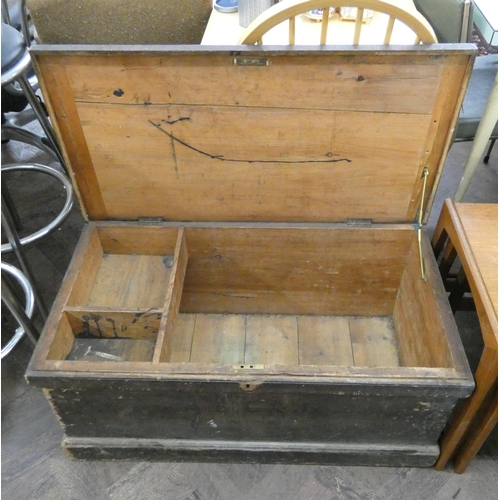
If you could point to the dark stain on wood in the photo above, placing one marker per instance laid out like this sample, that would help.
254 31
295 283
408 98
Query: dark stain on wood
181 119
239 160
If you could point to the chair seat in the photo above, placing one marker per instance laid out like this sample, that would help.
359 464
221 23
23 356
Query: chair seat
13 47
476 97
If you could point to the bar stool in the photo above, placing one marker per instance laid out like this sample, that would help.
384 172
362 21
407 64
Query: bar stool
63 214
22 316
16 63
9 225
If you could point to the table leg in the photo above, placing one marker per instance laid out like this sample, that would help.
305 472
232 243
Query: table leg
477 437
486 379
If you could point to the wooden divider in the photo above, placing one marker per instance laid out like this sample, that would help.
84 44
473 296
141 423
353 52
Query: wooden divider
173 300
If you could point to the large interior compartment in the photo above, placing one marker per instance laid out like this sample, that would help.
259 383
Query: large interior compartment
252 296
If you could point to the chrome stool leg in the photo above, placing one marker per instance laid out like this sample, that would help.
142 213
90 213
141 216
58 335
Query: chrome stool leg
44 169
27 137
10 205
8 226
40 114
22 316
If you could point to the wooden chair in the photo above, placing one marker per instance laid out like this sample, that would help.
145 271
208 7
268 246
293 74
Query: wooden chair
288 10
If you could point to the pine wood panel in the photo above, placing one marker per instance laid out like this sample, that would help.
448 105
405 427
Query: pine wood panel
420 333
403 87
324 340
256 164
86 272
130 281
107 323
58 94
288 340
63 340
294 271
454 81
384 85
182 338
271 340
218 338
373 342
173 298
136 239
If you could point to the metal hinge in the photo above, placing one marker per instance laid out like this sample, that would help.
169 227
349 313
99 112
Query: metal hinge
153 221
359 222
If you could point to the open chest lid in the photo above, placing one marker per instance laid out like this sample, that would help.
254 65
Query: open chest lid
253 133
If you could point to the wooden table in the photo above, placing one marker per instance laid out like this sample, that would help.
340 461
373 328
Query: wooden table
472 230
224 29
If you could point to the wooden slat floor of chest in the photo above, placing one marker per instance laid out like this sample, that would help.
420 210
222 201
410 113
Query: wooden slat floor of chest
257 340
284 340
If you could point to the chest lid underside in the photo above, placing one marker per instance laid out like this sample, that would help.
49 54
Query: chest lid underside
304 135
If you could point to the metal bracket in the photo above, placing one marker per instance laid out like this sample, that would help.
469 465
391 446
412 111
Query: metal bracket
245 61
248 367
425 174
359 222
153 221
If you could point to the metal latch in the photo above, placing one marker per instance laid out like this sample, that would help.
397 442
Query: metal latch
153 221
246 61
248 367
359 222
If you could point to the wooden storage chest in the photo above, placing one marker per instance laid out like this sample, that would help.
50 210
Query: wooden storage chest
252 285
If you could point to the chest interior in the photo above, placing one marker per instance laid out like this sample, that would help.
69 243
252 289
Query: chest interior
254 164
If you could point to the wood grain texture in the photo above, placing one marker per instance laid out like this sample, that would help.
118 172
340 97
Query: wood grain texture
182 338
106 323
480 225
287 340
324 340
78 260
137 239
294 270
271 340
63 340
58 91
257 163
34 466
130 281
418 319
173 299
454 81
218 338
364 98
373 342
86 270
188 78
472 229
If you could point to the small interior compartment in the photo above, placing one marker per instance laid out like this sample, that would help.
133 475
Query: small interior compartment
104 335
125 267
121 296
263 297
